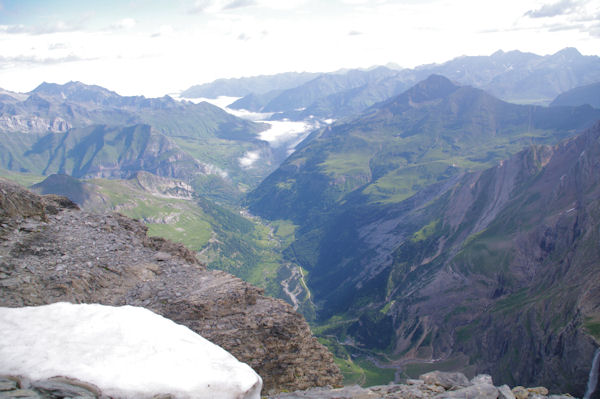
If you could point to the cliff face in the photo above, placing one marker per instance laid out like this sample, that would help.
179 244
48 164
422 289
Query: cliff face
51 251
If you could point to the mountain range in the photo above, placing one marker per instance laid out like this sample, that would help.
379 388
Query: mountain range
512 76
439 217
417 235
88 131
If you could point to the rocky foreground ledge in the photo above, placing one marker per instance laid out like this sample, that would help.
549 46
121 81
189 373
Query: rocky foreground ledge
435 385
50 251
438 385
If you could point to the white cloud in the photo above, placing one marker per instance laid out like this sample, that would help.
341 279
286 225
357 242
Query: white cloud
561 7
200 6
249 159
29 60
56 27
173 49
125 23
238 4
164 30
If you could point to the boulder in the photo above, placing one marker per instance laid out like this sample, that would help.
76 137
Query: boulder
543 391
448 381
505 392
520 392
482 379
481 391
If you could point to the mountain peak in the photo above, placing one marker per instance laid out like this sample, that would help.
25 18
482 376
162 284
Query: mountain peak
75 90
434 87
568 53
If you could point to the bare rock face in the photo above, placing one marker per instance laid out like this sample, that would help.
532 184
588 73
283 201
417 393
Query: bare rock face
50 251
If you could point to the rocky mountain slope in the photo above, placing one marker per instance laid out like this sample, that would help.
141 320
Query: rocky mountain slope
588 94
430 132
410 258
222 238
89 131
499 265
51 251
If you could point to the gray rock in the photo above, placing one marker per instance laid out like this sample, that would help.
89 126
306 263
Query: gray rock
20 393
63 387
520 392
349 392
481 391
542 391
482 379
7 384
162 257
449 381
505 392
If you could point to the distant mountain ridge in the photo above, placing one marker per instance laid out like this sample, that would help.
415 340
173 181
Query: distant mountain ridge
239 87
430 132
512 76
588 94
89 131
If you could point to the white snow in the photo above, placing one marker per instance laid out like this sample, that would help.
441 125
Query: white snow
128 352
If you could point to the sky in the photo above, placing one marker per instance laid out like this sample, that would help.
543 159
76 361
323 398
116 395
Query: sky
158 47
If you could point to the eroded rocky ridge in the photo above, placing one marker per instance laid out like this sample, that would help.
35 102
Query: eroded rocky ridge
51 251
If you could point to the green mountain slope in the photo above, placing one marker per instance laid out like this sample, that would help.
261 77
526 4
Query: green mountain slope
588 94
499 266
406 255
223 239
429 133
97 151
88 131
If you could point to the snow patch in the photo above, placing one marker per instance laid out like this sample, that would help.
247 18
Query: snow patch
127 352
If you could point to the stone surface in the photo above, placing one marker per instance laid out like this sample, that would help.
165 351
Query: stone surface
7 385
482 379
445 379
68 255
538 390
504 392
413 389
520 392
19 393
349 392
481 391
66 387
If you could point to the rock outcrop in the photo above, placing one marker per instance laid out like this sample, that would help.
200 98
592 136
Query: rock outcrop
50 251
433 385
